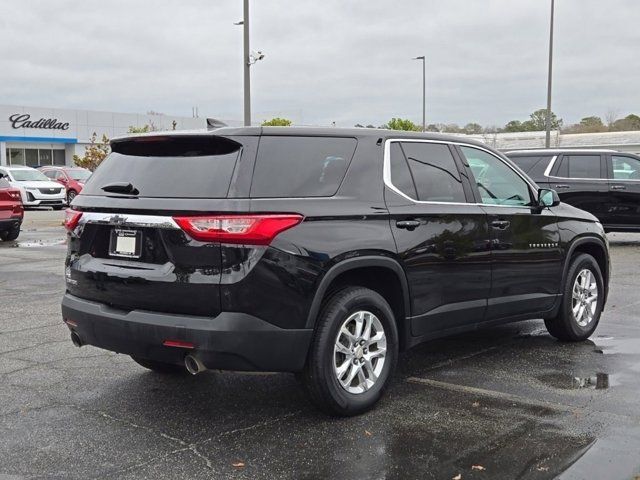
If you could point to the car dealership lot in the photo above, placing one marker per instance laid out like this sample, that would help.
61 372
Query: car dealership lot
498 403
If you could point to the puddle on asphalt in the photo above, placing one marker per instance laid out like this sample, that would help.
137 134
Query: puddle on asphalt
599 381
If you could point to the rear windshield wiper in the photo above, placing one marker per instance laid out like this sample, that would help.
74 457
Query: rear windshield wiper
121 187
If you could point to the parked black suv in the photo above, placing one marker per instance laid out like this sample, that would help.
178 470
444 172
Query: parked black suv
603 182
319 251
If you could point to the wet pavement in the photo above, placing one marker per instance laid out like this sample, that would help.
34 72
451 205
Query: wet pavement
509 402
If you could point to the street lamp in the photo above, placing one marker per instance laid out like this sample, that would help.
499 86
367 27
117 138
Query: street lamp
424 101
248 59
548 119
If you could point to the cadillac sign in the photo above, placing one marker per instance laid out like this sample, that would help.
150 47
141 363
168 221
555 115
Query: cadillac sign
23 120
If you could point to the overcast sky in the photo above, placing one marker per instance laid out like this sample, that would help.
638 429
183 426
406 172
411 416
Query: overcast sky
330 60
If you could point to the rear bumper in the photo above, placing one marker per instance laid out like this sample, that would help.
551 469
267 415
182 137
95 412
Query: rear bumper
230 341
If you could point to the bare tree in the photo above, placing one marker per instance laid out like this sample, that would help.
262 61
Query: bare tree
611 116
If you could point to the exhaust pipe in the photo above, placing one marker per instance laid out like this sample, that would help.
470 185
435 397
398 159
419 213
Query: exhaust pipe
193 365
75 339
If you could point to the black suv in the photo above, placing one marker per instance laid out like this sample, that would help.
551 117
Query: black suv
603 182
323 252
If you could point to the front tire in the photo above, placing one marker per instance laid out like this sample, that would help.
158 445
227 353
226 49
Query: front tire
582 301
160 367
353 354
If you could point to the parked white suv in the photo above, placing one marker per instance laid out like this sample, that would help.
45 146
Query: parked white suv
35 188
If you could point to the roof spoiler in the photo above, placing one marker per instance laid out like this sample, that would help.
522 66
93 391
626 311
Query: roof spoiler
213 123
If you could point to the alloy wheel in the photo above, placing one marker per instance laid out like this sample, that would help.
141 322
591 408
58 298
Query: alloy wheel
584 297
359 352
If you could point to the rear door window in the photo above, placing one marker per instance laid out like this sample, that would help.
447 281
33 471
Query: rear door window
579 166
301 166
534 166
434 172
169 167
625 168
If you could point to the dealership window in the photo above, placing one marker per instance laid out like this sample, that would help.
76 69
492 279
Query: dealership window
34 157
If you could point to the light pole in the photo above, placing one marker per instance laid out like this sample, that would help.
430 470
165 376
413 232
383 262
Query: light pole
248 59
548 119
424 91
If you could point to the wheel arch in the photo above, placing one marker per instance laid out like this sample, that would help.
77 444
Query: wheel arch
595 247
375 272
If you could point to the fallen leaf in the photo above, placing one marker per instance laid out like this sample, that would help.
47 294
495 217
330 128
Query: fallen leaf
475 404
238 464
543 469
477 467
367 433
457 477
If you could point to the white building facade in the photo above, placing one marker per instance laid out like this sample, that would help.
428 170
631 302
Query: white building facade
36 136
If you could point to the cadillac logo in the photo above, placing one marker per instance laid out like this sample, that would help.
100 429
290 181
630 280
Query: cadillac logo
23 120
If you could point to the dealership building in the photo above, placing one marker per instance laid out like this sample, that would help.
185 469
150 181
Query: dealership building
37 136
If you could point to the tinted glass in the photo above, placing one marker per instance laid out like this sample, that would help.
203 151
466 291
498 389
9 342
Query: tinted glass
58 157
31 156
400 173
301 166
434 172
15 156
206 176
497 183
534 166
625 168
579 166
79 174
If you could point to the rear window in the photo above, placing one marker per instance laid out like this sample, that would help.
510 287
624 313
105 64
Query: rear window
534 166
301 166
169 167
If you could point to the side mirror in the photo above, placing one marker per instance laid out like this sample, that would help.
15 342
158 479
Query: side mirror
548 198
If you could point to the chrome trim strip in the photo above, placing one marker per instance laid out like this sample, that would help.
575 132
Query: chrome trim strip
386 172
547 170
128 220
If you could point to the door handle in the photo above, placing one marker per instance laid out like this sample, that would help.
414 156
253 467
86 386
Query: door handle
562 185
500 224
408 224
618 187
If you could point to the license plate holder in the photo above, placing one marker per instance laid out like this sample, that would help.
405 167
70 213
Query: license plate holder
125 243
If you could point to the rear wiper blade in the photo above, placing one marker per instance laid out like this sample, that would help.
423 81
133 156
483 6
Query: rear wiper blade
121 187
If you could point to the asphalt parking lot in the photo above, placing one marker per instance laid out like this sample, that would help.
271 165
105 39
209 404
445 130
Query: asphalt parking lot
509 402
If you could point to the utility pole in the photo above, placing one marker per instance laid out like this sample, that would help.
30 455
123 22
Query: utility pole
548 119
424 91
246 65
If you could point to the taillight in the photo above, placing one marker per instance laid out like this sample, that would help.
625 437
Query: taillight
71 219
247 229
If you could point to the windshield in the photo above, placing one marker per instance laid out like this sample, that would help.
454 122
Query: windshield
79 174
28 175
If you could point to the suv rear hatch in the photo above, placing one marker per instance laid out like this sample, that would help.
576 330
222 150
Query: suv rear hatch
126 246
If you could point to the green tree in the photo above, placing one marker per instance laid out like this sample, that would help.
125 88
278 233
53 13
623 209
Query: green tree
514 126
630 122
538 120
402 124
277 122
472 128
94 153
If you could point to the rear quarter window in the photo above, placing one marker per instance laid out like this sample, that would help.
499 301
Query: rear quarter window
301 166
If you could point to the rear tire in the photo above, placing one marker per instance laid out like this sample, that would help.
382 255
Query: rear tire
9 235
160 367
70 196
579 312
356 338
